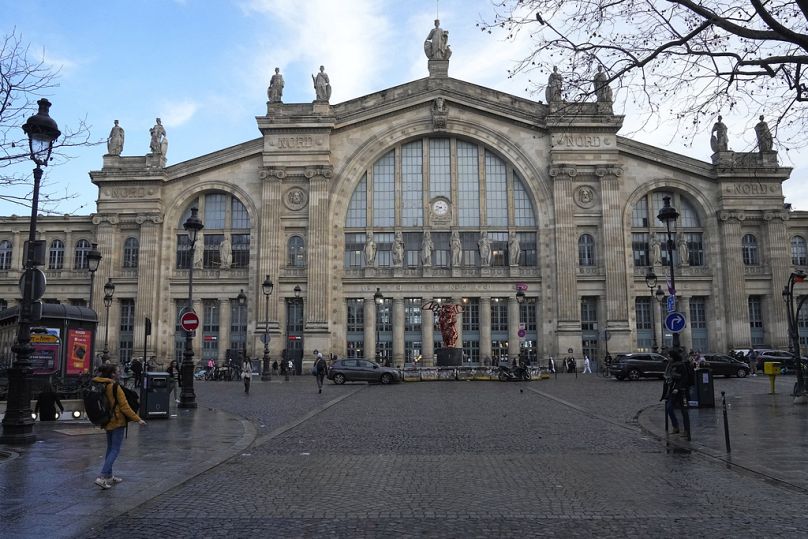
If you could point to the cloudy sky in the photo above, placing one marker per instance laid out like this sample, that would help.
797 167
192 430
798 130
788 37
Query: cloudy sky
203 67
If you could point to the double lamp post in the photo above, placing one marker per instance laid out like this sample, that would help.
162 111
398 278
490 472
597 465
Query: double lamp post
799 276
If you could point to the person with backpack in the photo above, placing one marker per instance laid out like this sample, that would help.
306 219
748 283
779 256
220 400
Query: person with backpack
319 369
118 413
679 376
246 373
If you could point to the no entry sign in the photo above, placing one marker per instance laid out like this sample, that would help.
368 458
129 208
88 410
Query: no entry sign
189 321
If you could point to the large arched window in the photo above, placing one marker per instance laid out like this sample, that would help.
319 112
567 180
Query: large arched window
56 255
446 185
226 221
5 255
82 250
297 253
749 246
130 253
799 252
649 236
586 250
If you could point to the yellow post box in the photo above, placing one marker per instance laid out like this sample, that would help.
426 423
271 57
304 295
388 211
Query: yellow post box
772 369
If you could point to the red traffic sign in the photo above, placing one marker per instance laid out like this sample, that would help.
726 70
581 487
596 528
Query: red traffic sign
189 321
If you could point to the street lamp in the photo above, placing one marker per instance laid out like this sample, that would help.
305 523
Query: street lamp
661 298
192 226
241 301
669 215
266 288
109 290
18 425
650 282
93 261
378 298
798 276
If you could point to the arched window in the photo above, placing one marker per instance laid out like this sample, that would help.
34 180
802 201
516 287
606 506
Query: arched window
56 255
130 252
82 250
223 215
750 250
5 255
799 251
649 236
586 250
297 253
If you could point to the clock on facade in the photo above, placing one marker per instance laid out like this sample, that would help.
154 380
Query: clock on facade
440 208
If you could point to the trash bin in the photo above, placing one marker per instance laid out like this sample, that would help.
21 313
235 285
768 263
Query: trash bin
705 393
155 394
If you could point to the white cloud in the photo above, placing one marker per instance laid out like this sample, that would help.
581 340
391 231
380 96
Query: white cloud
178 113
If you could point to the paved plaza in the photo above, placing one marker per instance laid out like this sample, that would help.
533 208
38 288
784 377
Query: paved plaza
566 457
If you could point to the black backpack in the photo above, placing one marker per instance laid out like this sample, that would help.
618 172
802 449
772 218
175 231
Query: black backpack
132 398
98 409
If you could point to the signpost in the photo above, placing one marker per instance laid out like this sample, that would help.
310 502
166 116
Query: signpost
189 321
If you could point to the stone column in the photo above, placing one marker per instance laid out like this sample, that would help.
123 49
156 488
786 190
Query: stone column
568 323
148 279
196 341
225 316
686 337
427 338
485 327
318 245
107 239
736 311
513 327
370 328
17 246
614 258
70 252
459 323
271 251
779 249
398 331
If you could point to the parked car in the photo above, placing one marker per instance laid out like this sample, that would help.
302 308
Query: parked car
636 365
773 355
724 365
361 370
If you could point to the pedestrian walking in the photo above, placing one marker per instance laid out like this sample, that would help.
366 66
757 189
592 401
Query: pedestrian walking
753 357
173 371
115 428
587 365
275 367
47 402
137 371
246 373
679 377
319 369
551 365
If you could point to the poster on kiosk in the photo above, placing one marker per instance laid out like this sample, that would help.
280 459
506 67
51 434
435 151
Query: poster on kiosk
79 350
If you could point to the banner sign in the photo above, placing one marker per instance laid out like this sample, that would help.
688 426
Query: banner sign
79 350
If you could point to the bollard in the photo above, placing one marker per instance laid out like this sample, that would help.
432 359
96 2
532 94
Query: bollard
726 423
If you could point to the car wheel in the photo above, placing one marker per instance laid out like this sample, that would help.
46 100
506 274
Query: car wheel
503 377
339 378
633 374
387 378
742 373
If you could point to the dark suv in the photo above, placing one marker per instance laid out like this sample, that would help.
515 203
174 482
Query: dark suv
636 365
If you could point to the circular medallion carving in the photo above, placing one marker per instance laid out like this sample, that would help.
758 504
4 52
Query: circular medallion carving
585 196
295 199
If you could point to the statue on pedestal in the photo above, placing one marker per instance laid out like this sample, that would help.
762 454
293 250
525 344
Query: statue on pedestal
436 46
398 250
719 141
116 137
370 251
554 86
275 90
764 136
322 86
157 133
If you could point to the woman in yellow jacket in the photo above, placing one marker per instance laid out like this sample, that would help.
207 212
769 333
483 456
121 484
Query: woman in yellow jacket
122 413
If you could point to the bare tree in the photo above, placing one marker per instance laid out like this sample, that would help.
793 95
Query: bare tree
23 81
678 58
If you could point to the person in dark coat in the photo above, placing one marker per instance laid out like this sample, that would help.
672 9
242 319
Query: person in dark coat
678 378
46 404
137 371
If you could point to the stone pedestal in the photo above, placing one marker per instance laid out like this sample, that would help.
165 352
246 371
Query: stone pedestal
449 357
438 68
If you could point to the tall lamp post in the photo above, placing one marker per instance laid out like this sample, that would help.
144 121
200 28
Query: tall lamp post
93 261
661 298
192 226
266 288
378 299
650 282
520 299
669 215
798 276
18 425
241 301
109 290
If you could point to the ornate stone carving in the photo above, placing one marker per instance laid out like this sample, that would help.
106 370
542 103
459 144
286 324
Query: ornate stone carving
272 173
782 215
570 171
584 196
439 113
325 172
296 199
731 215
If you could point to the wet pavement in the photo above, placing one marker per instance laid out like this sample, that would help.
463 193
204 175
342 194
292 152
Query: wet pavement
565 457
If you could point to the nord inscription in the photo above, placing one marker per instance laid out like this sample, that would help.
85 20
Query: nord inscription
294 142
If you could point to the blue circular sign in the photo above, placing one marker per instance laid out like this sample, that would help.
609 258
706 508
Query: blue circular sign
675 322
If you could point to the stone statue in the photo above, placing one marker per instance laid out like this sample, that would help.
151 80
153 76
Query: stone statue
157 133
398 250
764 136
115 140
513 250
436 46
322 86
656 251
199 251
684 253
719 141
485 249
164 146
457 250
275 90
225 253
426 249
370 251
603 92
554 84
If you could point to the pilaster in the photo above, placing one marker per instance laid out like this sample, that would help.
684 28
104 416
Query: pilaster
513 327
779 255
737 311
225 316
148 279
398 331
318 246
370 328
485 327
686 337
614 258
427 338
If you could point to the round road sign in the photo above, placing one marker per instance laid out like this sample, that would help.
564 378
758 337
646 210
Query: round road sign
675 322
33 278
189 321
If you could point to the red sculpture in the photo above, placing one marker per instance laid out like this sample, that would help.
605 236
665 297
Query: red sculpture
447 319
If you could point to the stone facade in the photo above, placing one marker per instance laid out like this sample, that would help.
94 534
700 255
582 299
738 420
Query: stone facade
293 188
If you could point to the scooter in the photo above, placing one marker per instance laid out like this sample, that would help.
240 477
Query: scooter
517 374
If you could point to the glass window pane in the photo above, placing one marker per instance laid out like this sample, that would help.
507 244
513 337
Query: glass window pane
130 252
240 218
639 215
439 168
523 207
468 179
412 206
215 208
358 208
384 193
496 191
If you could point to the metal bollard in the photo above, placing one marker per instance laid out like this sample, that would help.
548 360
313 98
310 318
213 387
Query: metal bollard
726 423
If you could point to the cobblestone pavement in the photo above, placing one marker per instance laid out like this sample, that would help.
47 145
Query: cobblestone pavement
556 458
